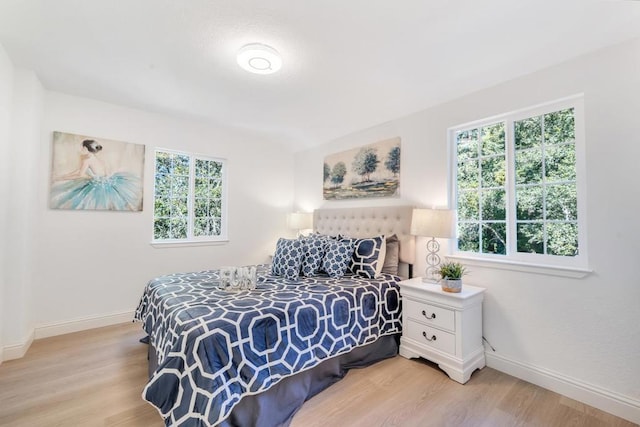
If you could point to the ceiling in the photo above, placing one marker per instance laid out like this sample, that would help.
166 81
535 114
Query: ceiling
347 64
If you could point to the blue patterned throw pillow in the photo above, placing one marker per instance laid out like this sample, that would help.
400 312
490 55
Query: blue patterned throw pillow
368 256
288 258
337 258
315 245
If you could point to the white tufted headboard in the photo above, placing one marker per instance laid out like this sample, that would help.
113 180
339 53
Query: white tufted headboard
369 222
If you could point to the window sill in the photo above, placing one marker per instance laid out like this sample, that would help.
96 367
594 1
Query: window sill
548 270
187 243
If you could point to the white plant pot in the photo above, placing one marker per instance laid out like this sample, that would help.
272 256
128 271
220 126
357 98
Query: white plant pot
451 285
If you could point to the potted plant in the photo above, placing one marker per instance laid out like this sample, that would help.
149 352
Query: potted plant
451 273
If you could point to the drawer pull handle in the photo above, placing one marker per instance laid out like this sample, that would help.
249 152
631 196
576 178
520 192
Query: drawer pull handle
424 334
433 315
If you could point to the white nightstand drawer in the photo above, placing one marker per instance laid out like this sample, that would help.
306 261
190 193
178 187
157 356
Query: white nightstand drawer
430 337
430 314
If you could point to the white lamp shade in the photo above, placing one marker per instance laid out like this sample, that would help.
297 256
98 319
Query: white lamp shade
300 220
432 223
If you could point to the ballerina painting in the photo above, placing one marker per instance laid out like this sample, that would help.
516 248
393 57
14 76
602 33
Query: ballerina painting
96 174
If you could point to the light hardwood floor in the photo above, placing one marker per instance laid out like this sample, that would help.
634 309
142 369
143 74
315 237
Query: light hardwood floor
95 378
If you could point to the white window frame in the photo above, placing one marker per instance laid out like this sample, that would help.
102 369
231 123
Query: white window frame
192 240
576 266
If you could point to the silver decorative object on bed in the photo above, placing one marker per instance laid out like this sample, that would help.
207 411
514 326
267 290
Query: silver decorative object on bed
238 278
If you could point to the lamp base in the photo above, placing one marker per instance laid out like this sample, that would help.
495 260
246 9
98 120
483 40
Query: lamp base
431 273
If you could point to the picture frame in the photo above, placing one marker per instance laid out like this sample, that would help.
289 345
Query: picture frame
90 173
368 171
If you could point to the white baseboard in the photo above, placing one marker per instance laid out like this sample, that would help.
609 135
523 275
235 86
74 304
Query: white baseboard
82 324
16 351
605 400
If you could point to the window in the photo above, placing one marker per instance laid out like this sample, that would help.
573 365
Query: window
189 198
517 185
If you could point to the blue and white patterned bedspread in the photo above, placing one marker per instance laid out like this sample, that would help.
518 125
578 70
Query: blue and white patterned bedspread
214 347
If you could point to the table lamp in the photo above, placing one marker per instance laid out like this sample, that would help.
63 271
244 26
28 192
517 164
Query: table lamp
434 223
300 221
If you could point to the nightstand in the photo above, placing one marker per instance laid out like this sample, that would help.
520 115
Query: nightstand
443 327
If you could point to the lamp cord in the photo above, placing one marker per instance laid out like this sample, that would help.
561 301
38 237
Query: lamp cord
488 343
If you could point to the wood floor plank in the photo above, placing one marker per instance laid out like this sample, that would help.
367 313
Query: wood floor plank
95 378
90 378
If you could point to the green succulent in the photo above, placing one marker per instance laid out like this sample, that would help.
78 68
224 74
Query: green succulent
451 270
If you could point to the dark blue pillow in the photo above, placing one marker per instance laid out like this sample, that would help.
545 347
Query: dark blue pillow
368 256
337 257
315 245
288 258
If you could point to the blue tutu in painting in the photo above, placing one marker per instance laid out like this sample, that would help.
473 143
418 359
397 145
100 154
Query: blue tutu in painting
119 191
90 186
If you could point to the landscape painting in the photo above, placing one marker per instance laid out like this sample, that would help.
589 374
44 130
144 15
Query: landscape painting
369 171
91 173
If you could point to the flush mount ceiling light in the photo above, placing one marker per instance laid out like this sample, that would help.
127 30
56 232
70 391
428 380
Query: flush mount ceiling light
259 58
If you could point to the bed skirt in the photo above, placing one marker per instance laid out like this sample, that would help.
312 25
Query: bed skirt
277 405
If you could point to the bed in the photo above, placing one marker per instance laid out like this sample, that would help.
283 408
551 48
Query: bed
252 358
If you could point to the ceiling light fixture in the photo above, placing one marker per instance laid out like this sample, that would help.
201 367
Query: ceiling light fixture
259 58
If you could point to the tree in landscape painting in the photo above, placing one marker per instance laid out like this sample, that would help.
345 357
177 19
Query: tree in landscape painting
393 161
338 173
365 163
327 172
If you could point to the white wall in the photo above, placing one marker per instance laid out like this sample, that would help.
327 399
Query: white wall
91 263
20 117
6 107
23 155
69 270
577 336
